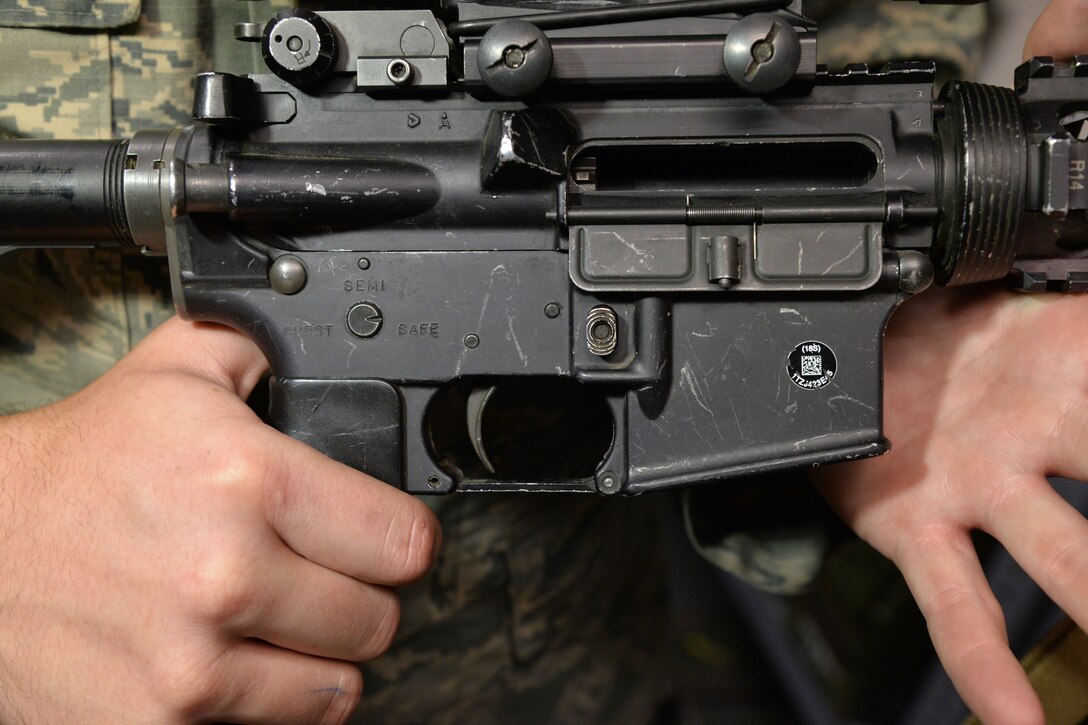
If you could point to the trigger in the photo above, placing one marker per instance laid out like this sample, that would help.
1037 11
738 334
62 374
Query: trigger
477 404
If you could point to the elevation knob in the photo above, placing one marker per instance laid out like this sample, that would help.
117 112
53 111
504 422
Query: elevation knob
299 46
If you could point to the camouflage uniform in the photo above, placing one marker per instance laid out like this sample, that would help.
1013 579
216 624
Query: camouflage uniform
877 32
541 608
68 316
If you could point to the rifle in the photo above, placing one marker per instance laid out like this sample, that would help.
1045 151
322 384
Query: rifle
515 247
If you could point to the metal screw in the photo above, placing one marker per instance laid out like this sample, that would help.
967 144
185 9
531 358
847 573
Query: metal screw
552 310
762 53
364 263
609 483
294 43
399 71
514 57
365 320
287 275
434 482
472 342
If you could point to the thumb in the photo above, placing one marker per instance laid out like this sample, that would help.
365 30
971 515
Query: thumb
216 353
1061 31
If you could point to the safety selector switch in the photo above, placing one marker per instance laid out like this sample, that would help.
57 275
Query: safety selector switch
365 320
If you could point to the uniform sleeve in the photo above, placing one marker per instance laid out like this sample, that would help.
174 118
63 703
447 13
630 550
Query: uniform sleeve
70 14
74 69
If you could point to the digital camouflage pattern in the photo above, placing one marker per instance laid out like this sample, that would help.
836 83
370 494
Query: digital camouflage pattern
878 32
67 316
540 608
87 14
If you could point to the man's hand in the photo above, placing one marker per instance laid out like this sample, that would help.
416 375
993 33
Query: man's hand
166 557
986 394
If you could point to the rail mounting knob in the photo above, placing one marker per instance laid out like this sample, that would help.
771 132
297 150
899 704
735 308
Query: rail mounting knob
762 53
299 46
514 58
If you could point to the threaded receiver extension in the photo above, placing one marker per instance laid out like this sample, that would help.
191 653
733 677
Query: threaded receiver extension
113 192
59 193
983 181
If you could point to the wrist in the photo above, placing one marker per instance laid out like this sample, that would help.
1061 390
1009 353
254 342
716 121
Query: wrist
23 472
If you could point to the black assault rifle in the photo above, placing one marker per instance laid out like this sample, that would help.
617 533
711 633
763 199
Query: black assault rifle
519 246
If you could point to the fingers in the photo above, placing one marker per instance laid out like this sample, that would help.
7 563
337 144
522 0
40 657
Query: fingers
348 521
1061 31
313 610
1068 455
1049 539
967 627
262 683
323 510
214 352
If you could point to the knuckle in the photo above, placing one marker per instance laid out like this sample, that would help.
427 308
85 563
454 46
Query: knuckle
344 698
1066 563
928 542
281 502
218 587
971 654
1008 496
384 619
240 471
956 608
187 685
948 599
